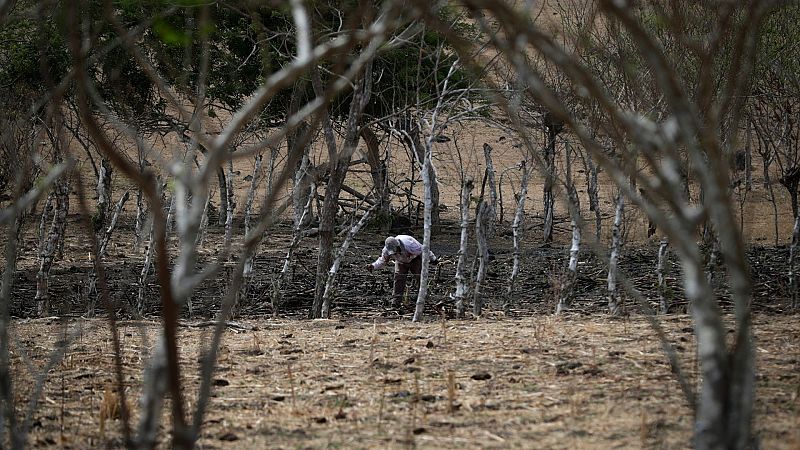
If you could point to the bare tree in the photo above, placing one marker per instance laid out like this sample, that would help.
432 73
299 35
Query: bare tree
462 284
517 233
55 236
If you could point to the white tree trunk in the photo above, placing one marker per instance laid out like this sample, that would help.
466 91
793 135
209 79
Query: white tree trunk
297 235
170 215
300 192
565 297
427 182
138 224
490 176
330 283
251 193
103 190
146 266
462 285
231 205
515 229
663 256
614 306
481 224
47 210
201 233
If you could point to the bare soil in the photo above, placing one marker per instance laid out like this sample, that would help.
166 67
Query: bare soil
372 382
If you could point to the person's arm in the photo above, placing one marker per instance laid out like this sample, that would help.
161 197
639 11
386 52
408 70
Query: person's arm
381 261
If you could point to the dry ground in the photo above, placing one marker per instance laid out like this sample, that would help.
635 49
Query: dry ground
371 382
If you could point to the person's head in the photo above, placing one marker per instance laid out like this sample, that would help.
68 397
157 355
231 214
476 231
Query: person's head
392 245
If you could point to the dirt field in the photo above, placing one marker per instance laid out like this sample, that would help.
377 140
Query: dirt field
371 382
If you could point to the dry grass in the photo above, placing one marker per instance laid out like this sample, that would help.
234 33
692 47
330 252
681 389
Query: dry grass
539 382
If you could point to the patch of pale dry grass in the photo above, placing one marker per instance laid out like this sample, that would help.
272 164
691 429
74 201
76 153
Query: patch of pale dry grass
539 382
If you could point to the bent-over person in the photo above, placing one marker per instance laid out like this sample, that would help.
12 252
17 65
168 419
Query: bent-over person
406 252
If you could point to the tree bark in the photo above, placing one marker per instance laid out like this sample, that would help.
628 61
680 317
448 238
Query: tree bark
552 127
663 256
593 193
103 238
462 286
490 177
427 183
302 180
481 225
330 284
378 171
223 197
565 297
614 305
146 266
515 229
411 134
231 205
573 203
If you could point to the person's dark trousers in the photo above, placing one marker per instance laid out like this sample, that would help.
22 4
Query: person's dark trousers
401 276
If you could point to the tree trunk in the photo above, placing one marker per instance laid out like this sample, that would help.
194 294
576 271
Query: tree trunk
552 127
462 286
573 203
201 232
565 297
146 266
231 205
515 229
412 139
297 235
223 197
248 207
51 245
103 189
481 226
427 183
614 304
663 256
139 220
302 178
138 227
378 171
99 224
103 238
330 284
47 210
593 193
251 193
339 163
490 176
726 392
